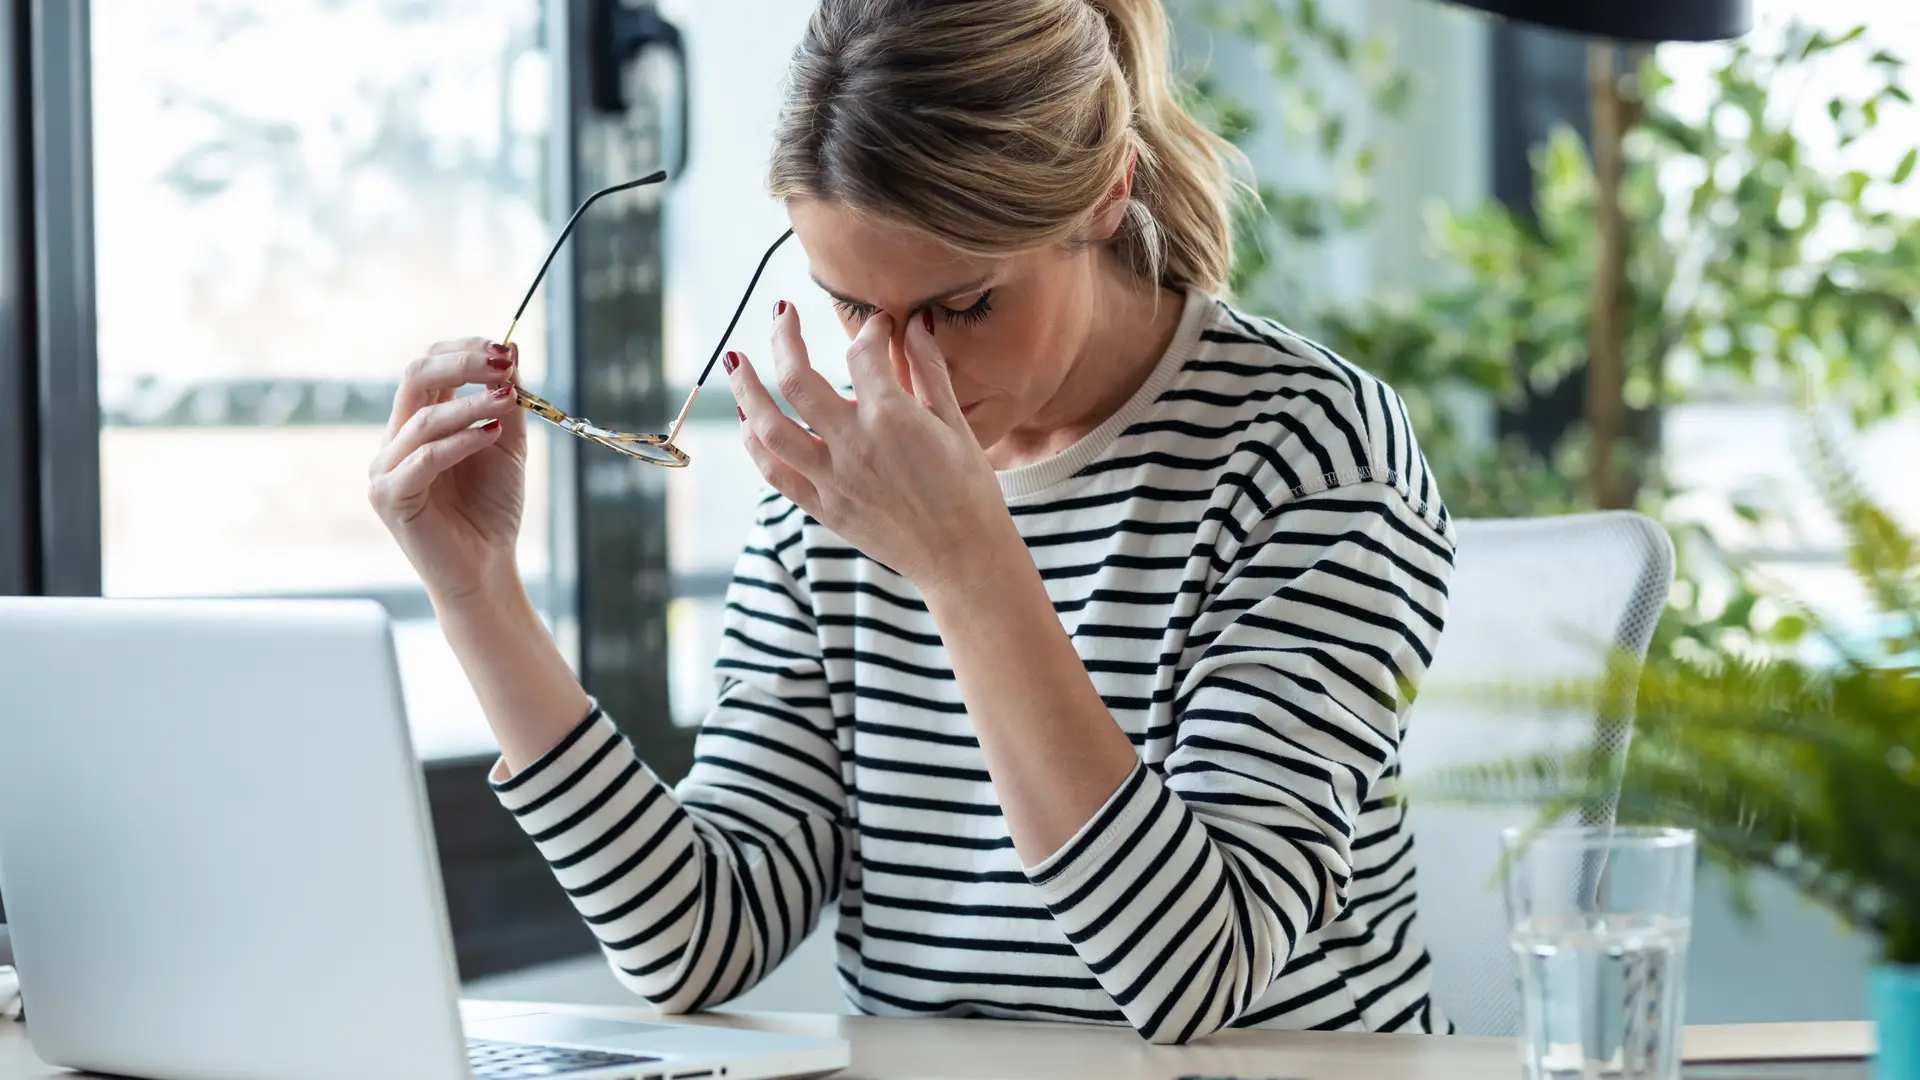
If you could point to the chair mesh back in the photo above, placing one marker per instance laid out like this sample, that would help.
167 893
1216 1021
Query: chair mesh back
1532 601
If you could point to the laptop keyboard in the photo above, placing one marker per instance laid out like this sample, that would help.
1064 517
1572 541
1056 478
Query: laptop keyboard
509 1061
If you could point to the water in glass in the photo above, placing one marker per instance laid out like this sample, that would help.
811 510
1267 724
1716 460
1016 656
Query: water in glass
1601 995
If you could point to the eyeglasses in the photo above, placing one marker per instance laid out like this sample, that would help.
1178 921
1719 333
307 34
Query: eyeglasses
652 449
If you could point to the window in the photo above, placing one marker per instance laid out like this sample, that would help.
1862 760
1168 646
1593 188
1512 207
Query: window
291 201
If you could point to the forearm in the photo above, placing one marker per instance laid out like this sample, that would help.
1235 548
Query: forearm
1052 748
530 696
1149 899
665 903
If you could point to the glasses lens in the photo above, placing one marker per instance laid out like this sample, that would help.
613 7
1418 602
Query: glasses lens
653 453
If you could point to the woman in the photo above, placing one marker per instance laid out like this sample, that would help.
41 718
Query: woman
1071 655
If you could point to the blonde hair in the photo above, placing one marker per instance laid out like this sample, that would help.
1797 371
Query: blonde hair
1001 126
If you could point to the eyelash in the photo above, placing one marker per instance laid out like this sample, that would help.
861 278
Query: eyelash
973 315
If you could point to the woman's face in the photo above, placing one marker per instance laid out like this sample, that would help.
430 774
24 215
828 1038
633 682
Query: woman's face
1010 328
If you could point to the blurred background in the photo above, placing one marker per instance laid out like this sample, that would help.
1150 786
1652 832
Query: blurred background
233 221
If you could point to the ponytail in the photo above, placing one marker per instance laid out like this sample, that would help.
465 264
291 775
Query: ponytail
1178 229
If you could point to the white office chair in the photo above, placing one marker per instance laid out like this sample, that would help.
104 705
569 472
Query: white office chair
1531 601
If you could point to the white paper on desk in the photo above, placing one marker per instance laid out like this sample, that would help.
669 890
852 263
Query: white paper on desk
9 994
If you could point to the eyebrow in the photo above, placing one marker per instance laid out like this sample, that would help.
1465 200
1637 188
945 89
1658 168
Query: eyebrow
958 290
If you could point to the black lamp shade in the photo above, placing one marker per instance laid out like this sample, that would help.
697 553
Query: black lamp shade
1631 20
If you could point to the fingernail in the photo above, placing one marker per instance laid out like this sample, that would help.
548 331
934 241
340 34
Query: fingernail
730 361
499 363
742 413
926 319
490 425
502 393
496 349
779 309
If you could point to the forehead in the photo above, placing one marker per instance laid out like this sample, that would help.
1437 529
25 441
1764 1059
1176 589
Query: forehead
861 258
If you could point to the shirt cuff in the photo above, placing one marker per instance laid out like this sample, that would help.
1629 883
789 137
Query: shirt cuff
1126 812
555 769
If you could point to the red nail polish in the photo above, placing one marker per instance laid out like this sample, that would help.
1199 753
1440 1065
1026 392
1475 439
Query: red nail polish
730 361
499 363
926 319
779 309
490 425
496 349
742 412
502 393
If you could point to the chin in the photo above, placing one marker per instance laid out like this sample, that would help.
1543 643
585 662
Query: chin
987 427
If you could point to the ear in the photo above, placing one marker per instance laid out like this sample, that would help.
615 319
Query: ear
1113 211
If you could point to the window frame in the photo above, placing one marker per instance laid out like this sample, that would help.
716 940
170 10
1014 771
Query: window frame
20 551
47 354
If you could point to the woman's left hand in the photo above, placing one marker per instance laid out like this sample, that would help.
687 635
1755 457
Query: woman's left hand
896 473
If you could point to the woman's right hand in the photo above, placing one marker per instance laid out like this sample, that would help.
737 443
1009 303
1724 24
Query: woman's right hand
450 480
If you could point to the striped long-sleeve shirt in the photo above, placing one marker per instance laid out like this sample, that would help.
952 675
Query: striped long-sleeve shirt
1251 560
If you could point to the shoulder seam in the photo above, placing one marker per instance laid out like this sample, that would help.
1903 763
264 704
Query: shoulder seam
1429 513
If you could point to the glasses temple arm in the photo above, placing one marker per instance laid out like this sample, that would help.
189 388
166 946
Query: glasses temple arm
721 345
653 178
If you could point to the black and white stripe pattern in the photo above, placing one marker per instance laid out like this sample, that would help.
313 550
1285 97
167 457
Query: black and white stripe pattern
1252 562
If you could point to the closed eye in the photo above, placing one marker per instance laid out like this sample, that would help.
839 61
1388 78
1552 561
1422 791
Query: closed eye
971 315
858 312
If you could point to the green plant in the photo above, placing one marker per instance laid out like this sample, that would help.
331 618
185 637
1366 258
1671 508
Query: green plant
1755 257
1803 768
1749 259
1305 50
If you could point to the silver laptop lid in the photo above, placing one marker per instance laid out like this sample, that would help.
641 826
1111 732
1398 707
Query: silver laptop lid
214 842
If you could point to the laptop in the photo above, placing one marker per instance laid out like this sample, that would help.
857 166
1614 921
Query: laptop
218 862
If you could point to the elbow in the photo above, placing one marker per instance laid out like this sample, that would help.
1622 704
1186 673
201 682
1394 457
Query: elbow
665 981
1178 1030
1171 1036
665 1001
1201 1005
1178 1022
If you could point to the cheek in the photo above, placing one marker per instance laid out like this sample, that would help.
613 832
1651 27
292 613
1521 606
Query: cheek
985 356
1018 355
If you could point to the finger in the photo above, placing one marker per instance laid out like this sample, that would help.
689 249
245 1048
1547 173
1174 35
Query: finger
433 378
870 360
444 419
932 382
783 477
513 430
760 415
811 395
454 345
396 491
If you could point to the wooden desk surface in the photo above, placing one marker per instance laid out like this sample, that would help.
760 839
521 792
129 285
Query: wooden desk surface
996 1050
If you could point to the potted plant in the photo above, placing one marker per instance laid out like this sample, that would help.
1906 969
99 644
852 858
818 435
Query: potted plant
1803 765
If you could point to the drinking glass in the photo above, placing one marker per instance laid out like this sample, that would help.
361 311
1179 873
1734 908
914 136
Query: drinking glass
1599 919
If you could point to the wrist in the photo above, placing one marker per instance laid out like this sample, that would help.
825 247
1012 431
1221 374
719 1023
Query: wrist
499 599
984 568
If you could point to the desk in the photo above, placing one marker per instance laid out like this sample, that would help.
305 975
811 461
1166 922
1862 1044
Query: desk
997 1050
